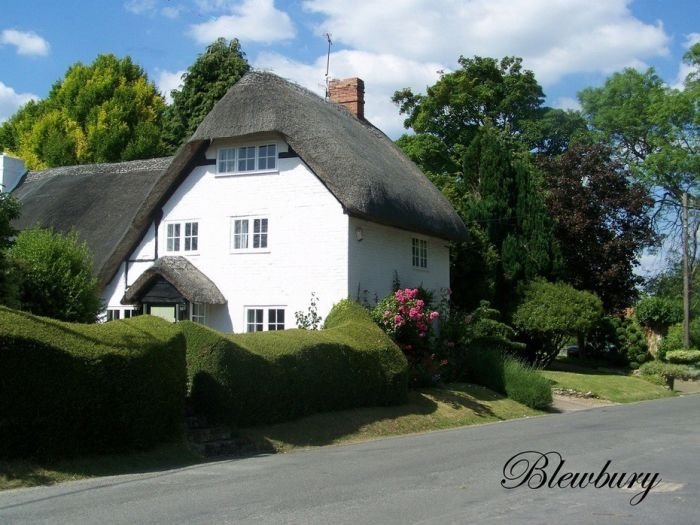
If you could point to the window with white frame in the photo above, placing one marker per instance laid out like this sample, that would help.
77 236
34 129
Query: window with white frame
254 320
246 159
420 253
198 313
182 236
249 233
275 319
260 319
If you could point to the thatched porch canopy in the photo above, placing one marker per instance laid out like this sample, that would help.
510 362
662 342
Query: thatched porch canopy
190 283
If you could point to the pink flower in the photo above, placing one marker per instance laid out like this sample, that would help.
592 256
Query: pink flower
434 315
387 313
414 313
398 320
420 303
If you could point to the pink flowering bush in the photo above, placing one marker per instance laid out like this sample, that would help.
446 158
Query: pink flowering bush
407 318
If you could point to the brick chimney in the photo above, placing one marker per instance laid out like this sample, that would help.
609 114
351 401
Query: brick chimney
350 92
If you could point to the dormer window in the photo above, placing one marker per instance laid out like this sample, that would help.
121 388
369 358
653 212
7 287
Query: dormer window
246 159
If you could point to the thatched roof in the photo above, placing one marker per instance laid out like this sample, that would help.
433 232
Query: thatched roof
100 201
111 206
360 165
192 284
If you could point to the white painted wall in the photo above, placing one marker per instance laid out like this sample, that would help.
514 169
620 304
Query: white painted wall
383 250
308 248
11 171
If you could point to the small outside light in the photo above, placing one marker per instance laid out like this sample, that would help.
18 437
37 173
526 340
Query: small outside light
358 233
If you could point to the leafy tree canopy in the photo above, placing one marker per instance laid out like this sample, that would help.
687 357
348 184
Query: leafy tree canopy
602 222
552 312
205 82
107 111
55 276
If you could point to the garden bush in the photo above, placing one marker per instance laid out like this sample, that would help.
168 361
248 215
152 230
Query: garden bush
267 377
407 317
69 389
658 313
489 365
669 372
683 356
673 340
526 385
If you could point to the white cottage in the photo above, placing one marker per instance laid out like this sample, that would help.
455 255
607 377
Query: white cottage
278 194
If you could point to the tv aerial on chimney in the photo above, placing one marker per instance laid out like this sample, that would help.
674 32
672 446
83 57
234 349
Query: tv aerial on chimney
328 61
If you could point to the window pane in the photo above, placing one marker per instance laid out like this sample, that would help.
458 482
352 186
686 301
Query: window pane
173 238
246 159
226 160
260 233
240 234
267 157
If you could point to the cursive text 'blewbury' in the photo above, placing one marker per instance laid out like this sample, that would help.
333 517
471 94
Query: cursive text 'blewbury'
538 470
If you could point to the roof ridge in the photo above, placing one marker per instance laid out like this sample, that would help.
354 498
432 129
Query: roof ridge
104 167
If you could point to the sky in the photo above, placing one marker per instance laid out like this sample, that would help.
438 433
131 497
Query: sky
390 44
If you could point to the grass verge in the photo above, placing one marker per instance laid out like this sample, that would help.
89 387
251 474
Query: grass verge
618 388
426 409
24 473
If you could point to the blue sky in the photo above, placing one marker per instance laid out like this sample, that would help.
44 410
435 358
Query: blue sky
570 44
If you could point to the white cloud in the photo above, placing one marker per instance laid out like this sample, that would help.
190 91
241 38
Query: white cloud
151 7
554 38
171 11
26 42
167 81
10 101
684 69
251 20
383 74
139 7
567 103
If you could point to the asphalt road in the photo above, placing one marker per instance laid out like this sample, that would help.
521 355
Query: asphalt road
453 476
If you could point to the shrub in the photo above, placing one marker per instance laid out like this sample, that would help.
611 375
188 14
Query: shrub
633 343
552 312
55 276
683 356
526 385
75 389
669 371
406 316
267 377
658 313
673 340
490 366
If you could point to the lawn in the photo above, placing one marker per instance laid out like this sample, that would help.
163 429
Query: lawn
426 409
616 387
24 473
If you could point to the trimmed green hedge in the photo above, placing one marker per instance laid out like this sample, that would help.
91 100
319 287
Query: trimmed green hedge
690 356
266 377
75 389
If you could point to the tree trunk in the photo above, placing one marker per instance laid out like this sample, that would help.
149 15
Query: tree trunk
686 276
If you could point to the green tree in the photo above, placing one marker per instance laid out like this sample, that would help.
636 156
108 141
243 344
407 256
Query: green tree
482 90
55 276
502 195
473 133
656 131
602 222
552 312
205 82
107 111
9 211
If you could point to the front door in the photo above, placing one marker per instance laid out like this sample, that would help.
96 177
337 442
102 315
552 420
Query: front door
165 312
